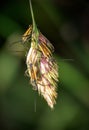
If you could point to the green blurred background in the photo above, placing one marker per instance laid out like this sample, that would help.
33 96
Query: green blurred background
66 24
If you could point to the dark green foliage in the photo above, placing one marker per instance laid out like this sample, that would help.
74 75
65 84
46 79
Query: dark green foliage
65 24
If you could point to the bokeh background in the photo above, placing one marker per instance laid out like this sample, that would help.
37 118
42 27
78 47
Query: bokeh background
66 24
